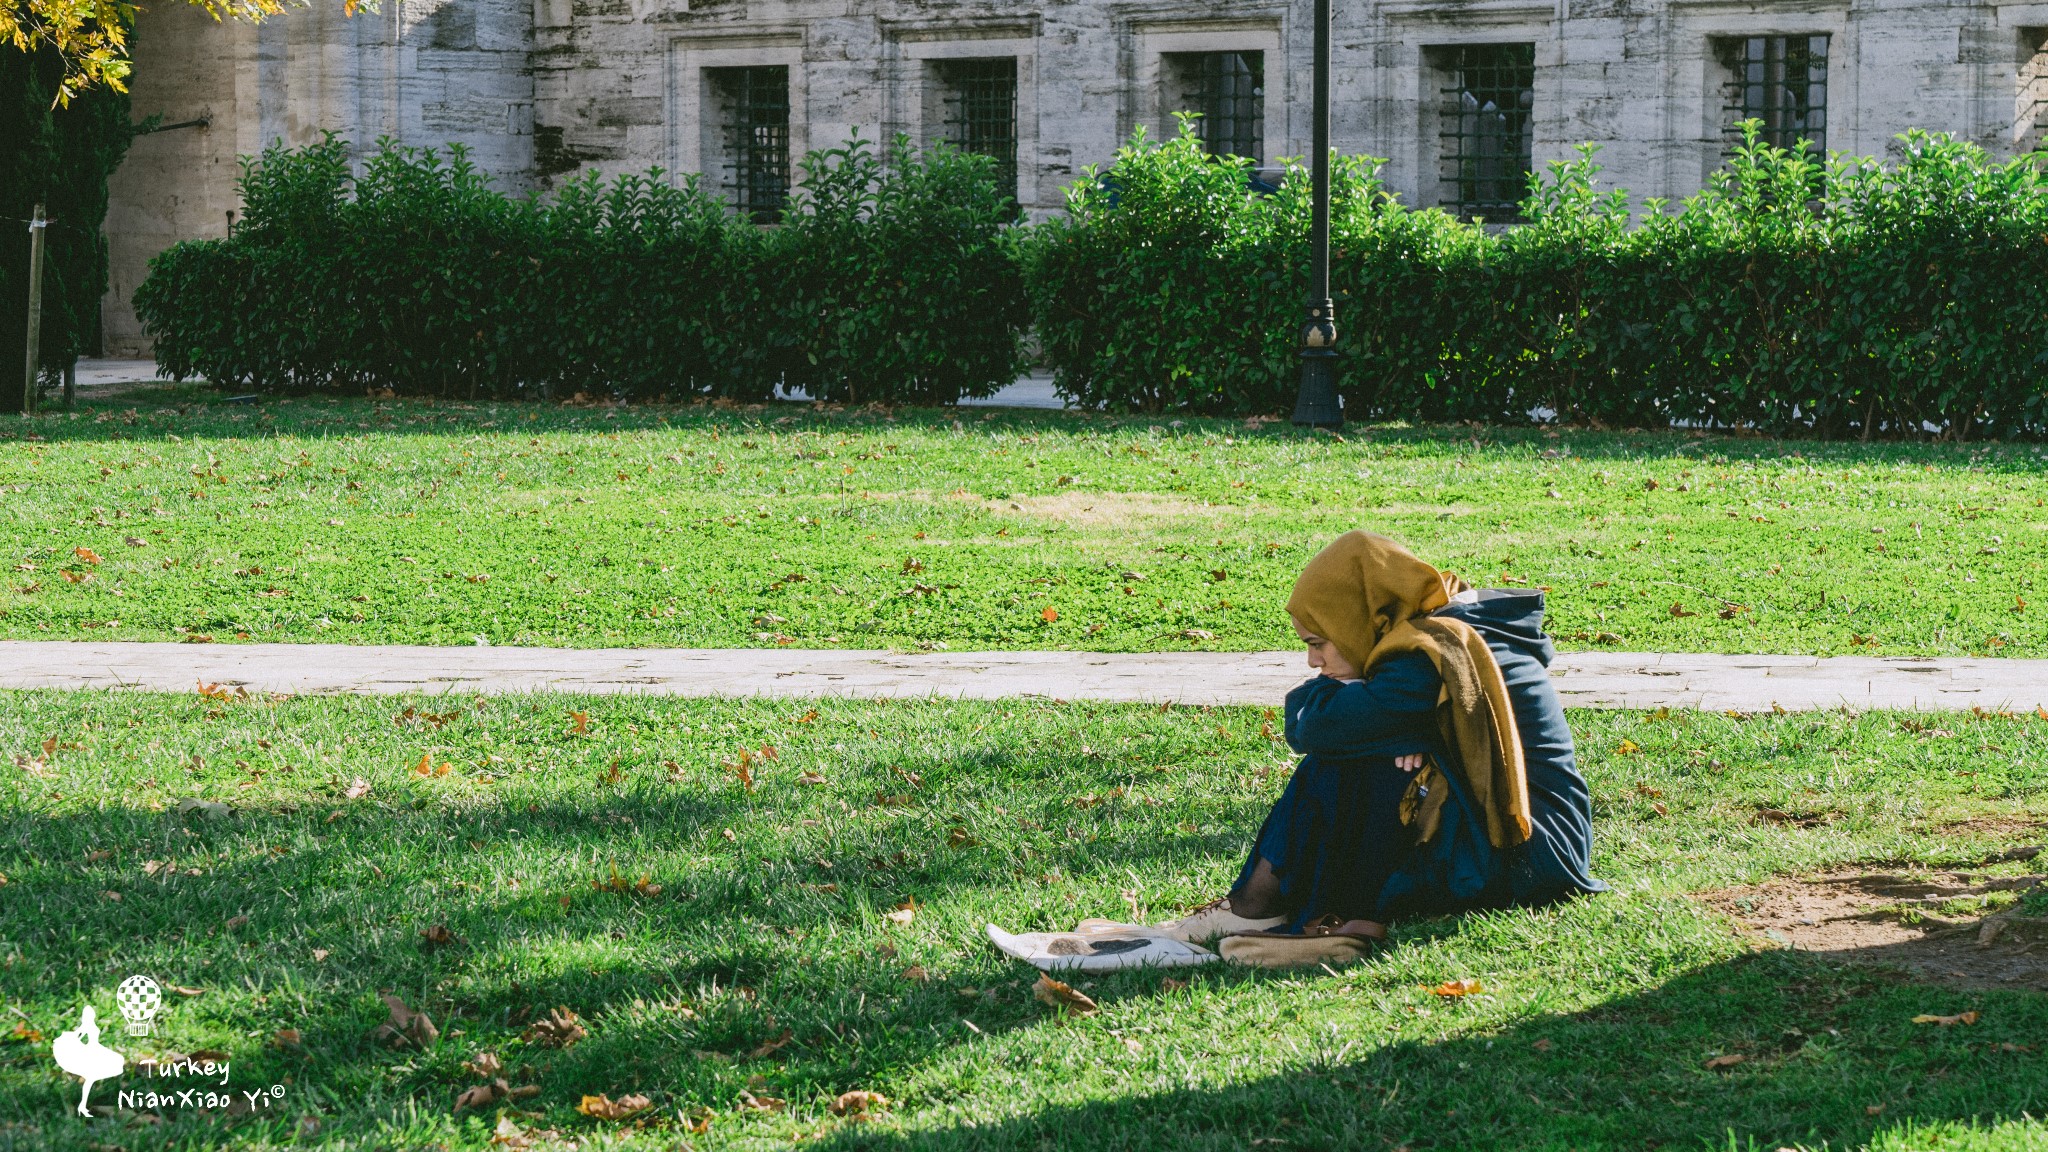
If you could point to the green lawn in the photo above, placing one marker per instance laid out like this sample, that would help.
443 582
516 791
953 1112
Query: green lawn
360 522
765 965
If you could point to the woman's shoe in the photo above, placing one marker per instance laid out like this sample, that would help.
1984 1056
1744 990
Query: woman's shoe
1319 943
1215 919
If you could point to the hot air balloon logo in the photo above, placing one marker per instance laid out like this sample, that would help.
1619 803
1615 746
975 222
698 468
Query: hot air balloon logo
139 997
80 1053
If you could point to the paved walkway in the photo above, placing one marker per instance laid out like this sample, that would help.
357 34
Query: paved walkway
1584 679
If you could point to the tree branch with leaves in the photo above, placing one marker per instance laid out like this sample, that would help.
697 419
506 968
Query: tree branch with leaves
91 36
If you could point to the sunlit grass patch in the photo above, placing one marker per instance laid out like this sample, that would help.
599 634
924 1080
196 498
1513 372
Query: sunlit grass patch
370 522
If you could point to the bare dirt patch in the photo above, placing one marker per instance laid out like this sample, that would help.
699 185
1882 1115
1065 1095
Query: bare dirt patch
1895 918
1995 827
1120 509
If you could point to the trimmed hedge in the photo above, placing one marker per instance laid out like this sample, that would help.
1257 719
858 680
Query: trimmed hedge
887 282
1838 298
1834 298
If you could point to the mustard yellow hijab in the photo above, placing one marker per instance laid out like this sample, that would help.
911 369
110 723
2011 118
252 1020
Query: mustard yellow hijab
1372 598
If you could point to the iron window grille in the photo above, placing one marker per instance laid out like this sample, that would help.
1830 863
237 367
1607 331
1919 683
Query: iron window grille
755 105
1782 81
981 113
2031 103
1227 90
1486 120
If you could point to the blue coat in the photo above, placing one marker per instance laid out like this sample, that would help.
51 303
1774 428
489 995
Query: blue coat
1335 838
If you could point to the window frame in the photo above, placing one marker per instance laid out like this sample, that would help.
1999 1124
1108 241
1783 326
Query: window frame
2030 91
1760 75
958 78
1228 87
758 172
1459 181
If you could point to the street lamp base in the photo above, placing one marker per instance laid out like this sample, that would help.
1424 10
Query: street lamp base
1318 405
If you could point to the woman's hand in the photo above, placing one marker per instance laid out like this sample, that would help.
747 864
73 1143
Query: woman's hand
1409 762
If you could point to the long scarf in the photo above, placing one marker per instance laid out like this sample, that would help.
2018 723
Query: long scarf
1373 599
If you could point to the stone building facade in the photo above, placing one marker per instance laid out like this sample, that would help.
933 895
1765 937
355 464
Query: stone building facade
1461 96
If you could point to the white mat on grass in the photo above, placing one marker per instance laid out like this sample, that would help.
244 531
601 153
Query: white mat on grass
1099 946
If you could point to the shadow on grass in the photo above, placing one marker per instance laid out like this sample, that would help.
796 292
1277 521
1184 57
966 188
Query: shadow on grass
801 986
1828 1056
783 960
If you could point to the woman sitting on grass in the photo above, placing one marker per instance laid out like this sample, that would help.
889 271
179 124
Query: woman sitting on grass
1437 771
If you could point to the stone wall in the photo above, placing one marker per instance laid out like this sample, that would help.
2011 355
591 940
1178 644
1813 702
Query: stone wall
543 89
424 72
618 83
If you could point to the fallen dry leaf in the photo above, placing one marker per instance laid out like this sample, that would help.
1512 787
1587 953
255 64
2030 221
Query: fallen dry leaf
1453 989
438 936
742 768
427 767
320 954
916 974
858 1103
356 790
405 1026
961 838
1679 610
1946 1021
1049 615
771 1046
182 990
86 554
1172 985
1543 1044
1057 995
579 725
560 1029
810 779
752 1103
1728 1061
606 1108
485 1064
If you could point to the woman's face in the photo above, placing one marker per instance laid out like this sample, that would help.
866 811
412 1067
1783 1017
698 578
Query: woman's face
1324 657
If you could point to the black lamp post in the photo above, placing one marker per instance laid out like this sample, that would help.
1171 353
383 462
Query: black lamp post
1316 406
